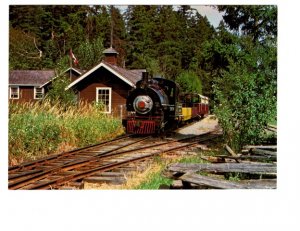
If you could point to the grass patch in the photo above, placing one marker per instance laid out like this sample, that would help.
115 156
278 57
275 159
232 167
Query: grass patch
154 181
39 129
192 159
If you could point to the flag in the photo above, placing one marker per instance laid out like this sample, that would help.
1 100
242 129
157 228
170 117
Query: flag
73 57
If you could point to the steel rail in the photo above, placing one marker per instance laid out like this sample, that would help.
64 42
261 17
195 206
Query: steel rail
56 156
37 175
110 153
77 176
40 175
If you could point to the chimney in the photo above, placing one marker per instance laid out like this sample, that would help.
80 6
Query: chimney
110 56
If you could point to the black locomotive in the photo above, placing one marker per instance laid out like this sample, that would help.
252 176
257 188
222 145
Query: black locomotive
152 106
156 105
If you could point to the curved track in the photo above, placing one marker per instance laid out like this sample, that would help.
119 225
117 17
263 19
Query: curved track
55 171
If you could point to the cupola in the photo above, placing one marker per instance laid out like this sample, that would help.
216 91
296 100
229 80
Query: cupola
110 56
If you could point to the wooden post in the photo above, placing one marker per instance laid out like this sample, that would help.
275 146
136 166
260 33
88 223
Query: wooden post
231 152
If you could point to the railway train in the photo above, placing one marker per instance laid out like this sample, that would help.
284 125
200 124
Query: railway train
156 105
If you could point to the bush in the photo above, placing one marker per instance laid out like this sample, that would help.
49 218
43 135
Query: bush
246 95
58 94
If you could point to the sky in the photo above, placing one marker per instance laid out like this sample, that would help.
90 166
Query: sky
213 15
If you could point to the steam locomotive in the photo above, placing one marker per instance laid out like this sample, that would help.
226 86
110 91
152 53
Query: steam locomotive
156 105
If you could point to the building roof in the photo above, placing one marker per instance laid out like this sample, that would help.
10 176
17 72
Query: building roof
132 75
76 70
30 77
128 76
110 51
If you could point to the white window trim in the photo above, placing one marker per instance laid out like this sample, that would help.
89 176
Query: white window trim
18 92
110 93
34 93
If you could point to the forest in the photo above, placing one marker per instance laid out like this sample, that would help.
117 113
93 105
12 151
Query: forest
235 64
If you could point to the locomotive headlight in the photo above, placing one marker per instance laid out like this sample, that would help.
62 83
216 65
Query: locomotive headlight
142 104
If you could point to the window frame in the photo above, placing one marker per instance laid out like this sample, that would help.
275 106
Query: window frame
10 91
110 97
34 92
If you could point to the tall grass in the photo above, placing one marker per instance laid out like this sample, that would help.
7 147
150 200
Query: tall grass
39 129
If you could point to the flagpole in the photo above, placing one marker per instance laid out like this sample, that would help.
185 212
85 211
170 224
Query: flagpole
70 64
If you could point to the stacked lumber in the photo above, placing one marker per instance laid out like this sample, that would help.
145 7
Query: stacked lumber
256 164
194 175
260 153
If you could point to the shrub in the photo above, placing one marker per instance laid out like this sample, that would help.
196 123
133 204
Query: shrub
246 95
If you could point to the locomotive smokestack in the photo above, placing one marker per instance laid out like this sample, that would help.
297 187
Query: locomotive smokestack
145 77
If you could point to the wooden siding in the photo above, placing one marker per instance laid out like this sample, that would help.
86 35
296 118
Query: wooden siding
26 94
103 78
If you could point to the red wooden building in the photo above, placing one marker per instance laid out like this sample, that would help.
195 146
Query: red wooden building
32 85
107 83
25 85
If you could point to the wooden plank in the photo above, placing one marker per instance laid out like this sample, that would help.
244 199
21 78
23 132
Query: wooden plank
109 174
259 151
260 184
272 126
254 168
252 157
108 180
260 146
177 184
228 149
271 129
225 184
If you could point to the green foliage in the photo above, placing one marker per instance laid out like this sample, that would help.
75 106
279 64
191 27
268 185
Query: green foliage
259 22
57 92
33 134
89 53
189 82
246 94
243 72
23 52
167 35
162 39
89 130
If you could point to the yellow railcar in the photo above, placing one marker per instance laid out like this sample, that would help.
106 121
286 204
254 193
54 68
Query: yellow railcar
187 113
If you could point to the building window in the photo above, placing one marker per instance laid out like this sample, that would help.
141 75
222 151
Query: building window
14 92
38 93
103 96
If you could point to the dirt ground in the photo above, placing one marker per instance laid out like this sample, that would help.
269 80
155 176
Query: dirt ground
209 123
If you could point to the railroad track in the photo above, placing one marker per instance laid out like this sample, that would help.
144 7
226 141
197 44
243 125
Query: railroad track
55 171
